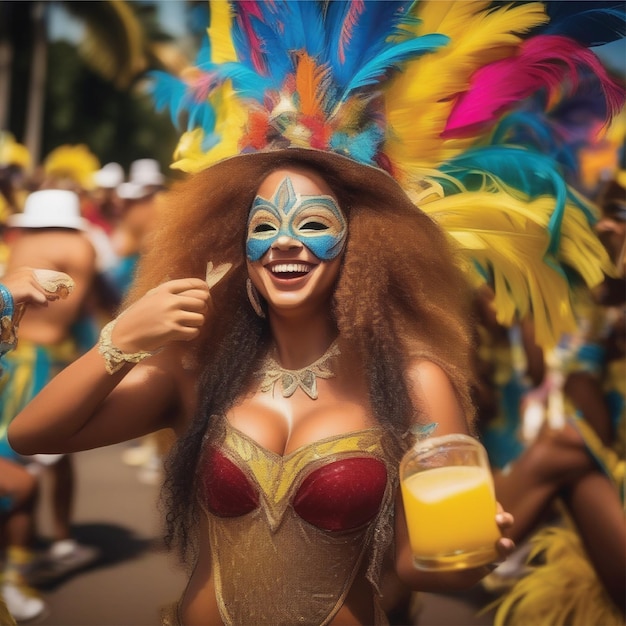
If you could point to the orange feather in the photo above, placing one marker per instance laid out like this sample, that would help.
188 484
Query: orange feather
310 79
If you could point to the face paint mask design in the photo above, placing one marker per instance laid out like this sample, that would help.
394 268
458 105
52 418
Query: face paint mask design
315 221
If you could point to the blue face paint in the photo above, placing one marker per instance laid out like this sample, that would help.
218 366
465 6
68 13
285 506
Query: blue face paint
315 221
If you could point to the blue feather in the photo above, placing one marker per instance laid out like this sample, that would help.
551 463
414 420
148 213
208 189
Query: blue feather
589 22
375 25
264 38
241 42
303 28
171 93
168 93
246 82
362 146
371 72
534 129
203 56
202 115
278 60
532 174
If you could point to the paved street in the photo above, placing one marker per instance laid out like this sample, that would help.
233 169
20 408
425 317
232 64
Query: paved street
118 514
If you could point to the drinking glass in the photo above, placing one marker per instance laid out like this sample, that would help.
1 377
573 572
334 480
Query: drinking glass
449 503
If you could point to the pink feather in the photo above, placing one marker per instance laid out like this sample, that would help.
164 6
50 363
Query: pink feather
545 61
203 84
244 11
352 17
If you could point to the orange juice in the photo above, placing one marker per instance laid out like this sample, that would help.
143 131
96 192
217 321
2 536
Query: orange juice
450 512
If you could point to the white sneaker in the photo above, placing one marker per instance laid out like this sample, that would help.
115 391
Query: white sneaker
22 601
63 557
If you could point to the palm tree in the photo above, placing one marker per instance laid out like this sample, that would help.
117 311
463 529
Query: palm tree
117 44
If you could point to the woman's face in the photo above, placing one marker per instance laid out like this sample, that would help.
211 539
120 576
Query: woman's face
295 238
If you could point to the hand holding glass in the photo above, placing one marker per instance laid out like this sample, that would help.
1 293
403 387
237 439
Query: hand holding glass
449 503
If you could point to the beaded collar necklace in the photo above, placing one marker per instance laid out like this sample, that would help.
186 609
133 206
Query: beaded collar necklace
272 372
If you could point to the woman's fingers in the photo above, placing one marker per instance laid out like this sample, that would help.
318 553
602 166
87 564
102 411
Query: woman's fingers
504 520
172 311
505 545
181 285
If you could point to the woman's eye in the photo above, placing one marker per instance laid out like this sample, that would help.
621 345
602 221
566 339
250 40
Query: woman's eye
264 228
313 226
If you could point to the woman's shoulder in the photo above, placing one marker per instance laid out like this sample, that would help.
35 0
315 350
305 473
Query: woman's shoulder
426 372
434 395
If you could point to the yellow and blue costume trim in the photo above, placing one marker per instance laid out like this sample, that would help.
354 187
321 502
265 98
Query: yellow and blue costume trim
25 372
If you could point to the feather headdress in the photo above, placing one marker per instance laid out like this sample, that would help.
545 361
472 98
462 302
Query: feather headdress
415 89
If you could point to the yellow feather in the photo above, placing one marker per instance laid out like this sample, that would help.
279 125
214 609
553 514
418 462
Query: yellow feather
563 590
189 154
222 47
509 235
582 250
448 16
419 100
349 115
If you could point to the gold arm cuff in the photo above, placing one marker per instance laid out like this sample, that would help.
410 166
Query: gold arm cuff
114 358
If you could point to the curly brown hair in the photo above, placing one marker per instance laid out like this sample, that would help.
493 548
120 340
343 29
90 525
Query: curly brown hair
400 296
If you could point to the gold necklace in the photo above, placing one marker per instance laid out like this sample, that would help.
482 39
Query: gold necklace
306 378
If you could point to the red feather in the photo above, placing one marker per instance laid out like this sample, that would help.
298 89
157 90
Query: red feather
548 61
320 132
257 130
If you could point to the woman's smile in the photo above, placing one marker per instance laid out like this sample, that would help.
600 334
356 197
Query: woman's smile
288 271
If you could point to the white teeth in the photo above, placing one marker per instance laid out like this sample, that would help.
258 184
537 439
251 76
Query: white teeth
285 268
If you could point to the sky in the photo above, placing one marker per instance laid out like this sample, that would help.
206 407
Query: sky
62 25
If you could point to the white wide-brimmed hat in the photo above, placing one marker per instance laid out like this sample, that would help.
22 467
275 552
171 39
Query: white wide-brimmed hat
50 208
110 176
144 179
146 172
135 191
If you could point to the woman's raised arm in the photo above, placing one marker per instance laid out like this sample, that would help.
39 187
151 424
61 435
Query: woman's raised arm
85 406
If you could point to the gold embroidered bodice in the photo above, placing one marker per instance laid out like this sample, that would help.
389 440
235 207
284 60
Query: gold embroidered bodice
289 533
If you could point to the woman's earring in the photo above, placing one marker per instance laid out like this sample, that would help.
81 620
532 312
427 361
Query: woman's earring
254 298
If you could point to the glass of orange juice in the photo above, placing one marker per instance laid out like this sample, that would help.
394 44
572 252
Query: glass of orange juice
449 503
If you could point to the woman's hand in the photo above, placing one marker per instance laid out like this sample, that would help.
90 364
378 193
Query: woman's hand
37 286
505 544
173 311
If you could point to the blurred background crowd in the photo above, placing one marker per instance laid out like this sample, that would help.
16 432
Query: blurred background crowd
83 169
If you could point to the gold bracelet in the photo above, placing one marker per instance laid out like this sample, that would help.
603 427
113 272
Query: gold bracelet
114 358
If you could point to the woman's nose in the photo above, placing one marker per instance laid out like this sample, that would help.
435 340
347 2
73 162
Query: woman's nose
284 242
